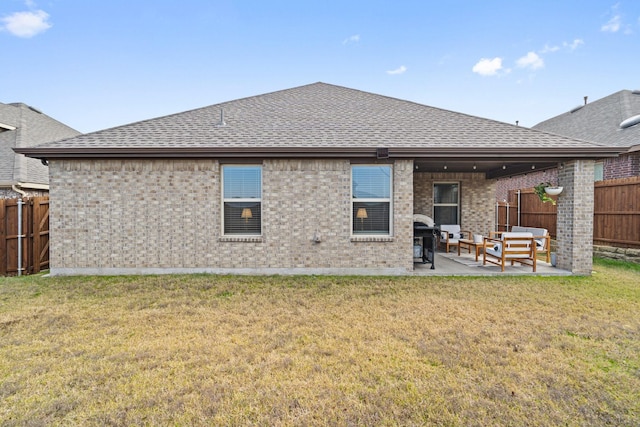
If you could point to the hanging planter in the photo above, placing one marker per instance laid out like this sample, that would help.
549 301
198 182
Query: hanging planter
546 189
553 191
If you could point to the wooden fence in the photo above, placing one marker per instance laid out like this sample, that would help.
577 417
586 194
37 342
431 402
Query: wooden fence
616 219
530 212
616 216
34 236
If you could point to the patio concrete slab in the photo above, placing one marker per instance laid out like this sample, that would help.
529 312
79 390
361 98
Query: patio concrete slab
452 264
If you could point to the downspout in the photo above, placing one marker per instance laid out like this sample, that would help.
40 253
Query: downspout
22 193
20 204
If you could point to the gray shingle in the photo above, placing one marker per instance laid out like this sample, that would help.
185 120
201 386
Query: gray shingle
319 115
600 120
31 128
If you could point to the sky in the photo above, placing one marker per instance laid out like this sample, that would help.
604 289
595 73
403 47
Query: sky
96 64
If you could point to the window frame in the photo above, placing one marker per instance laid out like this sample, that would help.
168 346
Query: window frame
240 199
388 200
457 204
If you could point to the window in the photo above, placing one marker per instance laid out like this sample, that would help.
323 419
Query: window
598 170
242 199
371 199
446 202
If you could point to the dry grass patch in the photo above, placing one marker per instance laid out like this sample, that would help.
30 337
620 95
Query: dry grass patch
203 350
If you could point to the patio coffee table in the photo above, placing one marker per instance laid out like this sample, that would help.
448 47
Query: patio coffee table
471 244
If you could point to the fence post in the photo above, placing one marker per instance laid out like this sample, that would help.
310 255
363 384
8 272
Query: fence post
519 204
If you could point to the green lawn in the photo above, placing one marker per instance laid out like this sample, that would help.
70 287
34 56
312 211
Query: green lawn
211 350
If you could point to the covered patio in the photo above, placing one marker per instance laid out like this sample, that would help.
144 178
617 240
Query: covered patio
474 177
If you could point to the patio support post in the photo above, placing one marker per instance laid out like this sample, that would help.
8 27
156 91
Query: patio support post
575 216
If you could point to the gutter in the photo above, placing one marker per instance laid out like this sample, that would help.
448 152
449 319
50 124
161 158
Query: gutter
24 185
634 148
514 153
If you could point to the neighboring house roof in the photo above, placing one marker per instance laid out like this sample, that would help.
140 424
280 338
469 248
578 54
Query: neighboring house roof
600 120
22 126
320 120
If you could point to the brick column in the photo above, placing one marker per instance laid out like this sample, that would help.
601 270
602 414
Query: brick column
575 217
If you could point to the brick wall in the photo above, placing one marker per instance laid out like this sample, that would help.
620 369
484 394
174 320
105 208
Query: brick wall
477 206
128 214
575 217
520 182
625 166
155 216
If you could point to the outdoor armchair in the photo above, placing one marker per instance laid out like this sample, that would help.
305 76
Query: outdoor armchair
510 248
450 235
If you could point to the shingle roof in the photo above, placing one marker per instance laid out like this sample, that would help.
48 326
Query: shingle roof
30 127
321 118
600 120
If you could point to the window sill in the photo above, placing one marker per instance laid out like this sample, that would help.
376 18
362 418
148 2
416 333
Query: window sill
241 239
372 238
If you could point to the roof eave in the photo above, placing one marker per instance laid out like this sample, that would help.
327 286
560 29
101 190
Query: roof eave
192 152
319 152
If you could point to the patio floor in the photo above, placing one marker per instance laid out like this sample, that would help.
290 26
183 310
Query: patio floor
450 264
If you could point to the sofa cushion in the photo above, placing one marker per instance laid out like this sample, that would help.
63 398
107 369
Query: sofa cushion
450 231
537 232
533 230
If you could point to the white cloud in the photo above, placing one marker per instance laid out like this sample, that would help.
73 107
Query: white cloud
26 24
488 67
399 70
574 44
530 60
549 49
613 25
352 39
